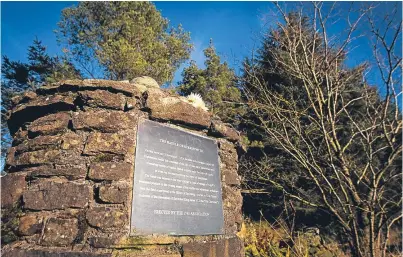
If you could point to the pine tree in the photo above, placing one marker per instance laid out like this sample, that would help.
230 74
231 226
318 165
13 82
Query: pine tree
19 77
324 145
217 84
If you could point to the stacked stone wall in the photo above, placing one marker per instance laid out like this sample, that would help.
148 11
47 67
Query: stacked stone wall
70 169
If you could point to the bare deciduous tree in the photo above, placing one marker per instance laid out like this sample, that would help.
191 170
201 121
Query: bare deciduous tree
344 135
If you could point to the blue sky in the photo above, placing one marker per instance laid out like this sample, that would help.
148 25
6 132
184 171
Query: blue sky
233 26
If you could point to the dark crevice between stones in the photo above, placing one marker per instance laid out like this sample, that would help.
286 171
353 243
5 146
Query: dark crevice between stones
83 102
97 197
136 248
143 99
103 107
34 176
79 102
87 175
82 228
20 118
127 108
100 180
214 133
50 210
97 129
96 194
70 126
20 168
84 145
179 123
32 135
72 88
145 109
29 180
108 157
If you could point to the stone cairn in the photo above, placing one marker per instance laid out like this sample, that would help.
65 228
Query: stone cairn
70 171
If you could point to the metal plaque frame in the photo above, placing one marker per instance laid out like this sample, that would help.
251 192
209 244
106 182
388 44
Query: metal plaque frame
177 183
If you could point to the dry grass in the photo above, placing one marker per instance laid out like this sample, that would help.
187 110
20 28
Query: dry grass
264 239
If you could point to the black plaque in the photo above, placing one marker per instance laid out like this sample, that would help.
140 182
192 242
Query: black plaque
177 186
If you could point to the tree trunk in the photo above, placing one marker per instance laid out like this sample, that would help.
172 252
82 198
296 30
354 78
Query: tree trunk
364 243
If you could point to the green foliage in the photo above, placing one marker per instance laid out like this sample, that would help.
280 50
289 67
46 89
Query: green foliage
322 126
129 39
263 69
269 70
19 77
40 68
217 84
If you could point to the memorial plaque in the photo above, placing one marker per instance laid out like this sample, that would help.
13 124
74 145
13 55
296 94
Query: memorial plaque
177 185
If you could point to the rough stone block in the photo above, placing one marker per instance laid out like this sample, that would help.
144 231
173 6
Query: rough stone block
132 103
10 159
71 141
165 107
71 173
230 224
50 195
37 108
20 136
103 99
52 156
145 81
232 205
232 197
15 252
114 240
228 154
67 141
59 232
230 177
110 171
50 124
104 121
104 240
106 218
108 143
23 98
46 101
39 143
232 247
37 157
114 193
30 224
91 84
12 187
221 129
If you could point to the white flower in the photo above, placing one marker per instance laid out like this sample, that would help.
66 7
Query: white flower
197 101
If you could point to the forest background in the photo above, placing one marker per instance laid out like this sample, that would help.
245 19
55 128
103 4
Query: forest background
314 89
